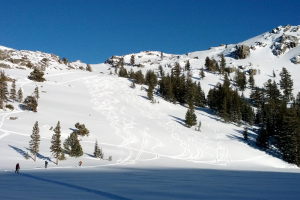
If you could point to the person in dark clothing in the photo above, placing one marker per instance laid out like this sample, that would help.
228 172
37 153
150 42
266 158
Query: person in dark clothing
17 168
46 164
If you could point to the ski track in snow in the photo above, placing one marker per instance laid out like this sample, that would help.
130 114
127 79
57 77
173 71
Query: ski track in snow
104 101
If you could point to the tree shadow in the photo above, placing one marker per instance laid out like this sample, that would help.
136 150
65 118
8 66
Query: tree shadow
85 189
20 151
178 120
209 113
90 155
42 157
252 142
144 97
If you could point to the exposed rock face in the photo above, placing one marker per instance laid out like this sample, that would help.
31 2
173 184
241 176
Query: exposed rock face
283 43
296 59
241 52
10 58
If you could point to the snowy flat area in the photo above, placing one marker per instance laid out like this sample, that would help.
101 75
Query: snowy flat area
148 184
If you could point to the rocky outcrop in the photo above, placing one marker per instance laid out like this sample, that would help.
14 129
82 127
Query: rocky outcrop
296 59
284 43
241 52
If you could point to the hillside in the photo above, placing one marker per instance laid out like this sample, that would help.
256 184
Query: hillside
127 126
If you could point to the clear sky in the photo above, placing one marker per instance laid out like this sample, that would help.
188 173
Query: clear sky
93 30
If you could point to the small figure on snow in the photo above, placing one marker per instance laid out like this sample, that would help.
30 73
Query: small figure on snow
17 168
46 164
80 163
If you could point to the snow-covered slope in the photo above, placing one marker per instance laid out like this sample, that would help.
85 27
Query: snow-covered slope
127 126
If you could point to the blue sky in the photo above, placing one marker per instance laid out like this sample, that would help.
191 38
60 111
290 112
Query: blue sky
93 30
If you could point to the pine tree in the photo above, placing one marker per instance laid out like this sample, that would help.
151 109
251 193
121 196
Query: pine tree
3 89
222 64
72 146
132 60
55 148
36 75
31 103
262 139
202 74
13 92
88 68
81 129
20 95
36 92
150 93
190 116
187 66
34 143
251 81
123 72
286 84
97 151
240 79
161 71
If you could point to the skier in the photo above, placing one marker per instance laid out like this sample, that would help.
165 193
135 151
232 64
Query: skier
17 168
46 164
80 163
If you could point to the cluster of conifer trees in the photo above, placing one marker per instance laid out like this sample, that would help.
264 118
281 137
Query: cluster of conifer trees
278 116
71 145
276 113
5 95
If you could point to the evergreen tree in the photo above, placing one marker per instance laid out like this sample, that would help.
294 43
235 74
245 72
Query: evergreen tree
161 71
199 97
262 139
81 129
286 84
202 74
97 151
139 77
123 72
20 95
151 78
190 116
240 79
132 60
55 148
36 75
289 134
150 93
88 68
187 66
31 103
3 89
13 92
251 81
72 146
222 64
36 92
34 143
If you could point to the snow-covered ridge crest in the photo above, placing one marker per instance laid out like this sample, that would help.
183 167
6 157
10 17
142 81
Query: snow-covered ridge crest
23 59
